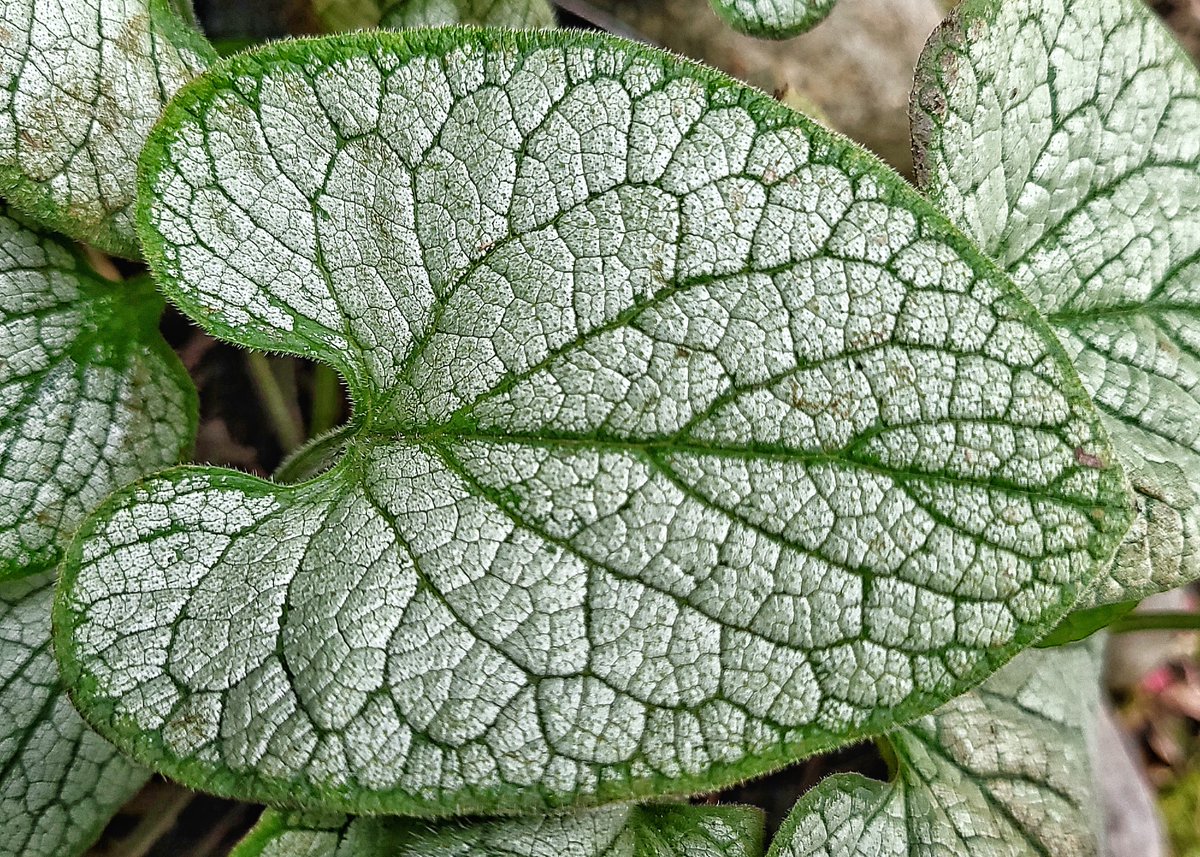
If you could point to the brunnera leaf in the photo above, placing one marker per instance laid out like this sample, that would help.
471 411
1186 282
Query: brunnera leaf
60 782
1002 771
773 19
81 84
688 439
397 14
91 396
614 831
1065 137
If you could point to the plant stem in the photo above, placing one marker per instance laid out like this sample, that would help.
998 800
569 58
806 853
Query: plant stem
284 422
154 825
1180 621
326 400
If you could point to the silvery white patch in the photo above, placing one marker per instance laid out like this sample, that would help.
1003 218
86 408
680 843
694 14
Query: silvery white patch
773 19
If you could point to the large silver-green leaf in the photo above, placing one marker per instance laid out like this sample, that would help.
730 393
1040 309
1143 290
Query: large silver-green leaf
59 781
689 439
91 397
773 19
616 831
398 14
1002 771
1066 138
81 83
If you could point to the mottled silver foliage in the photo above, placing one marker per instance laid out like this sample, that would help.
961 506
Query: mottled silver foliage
1066 138
81 83
773 19
91 397
1002 771
398 14
615 831
59 781
689 439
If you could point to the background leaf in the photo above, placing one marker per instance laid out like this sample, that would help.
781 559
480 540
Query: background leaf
59 781
1078 169
1001 771
617 831
81 83
91 397
397 14
690 440
773 19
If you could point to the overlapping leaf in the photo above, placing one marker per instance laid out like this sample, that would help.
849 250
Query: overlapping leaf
398 14
773 19
1066 138
689 439
81 83
616 831
91 397
59 781
1002 771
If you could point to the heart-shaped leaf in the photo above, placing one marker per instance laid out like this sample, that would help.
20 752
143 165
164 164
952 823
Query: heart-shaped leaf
1078 169
81 83
688 439
59 781
91 397
1002 771
616 831
397 14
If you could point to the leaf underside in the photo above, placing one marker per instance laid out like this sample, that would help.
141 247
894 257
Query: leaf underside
773 19
1079 171
688 441
91 397
81 84
59 781
338 15
615 831
1002 771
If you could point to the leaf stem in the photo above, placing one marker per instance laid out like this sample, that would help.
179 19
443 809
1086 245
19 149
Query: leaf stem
155 824
1175 621
326 400
284 420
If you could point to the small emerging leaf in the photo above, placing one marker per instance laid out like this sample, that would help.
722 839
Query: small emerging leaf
1002 771
688 439
81 83
773 19
398 14
1066 138
91 397
616 831
59 781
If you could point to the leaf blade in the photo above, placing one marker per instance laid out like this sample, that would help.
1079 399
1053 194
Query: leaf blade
59 781
1080 178
647 831
1003 770
83 83
93 397
589 518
